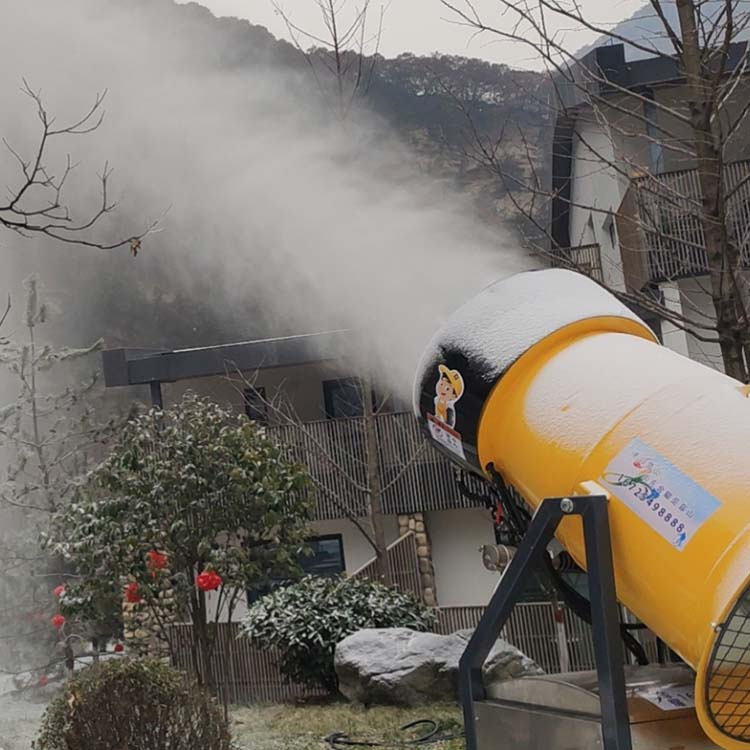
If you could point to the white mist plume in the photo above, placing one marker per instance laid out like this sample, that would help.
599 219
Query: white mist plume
327 226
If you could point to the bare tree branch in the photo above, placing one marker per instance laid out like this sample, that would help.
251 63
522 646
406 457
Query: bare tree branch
36 205
345 53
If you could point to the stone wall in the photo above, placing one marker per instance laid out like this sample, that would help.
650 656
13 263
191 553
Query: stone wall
416 522
144 624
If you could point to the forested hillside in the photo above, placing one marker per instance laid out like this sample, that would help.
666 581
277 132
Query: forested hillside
437 105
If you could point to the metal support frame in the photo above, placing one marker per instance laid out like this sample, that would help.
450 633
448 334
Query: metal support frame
604 613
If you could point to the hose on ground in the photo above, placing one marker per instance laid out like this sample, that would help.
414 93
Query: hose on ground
430 735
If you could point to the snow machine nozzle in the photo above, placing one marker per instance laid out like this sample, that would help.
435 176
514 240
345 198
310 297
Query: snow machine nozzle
549 380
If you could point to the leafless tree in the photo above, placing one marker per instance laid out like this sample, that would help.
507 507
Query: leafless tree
700 233
50 435
36 205
5 313
345 53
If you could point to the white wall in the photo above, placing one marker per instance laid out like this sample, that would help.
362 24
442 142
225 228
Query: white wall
302 386
691 298
697 305
460 578
672 336
357 552
597 190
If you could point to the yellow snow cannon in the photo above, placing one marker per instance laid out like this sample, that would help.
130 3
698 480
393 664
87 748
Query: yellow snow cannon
547 379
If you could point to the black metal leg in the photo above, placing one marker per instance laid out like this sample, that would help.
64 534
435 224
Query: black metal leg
509 590
156 398
605 616
605 622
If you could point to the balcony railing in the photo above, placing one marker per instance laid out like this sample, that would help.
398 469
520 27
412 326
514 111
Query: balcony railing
669 214
414 477
586 259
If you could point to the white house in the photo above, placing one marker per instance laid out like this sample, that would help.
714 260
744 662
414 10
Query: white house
623 183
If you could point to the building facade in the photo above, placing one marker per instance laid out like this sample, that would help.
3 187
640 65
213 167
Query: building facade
310 398
626 196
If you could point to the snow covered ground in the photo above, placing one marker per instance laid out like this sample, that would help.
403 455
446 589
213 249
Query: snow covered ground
19 721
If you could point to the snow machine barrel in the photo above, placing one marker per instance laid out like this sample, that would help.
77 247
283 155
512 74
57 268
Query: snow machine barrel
552 381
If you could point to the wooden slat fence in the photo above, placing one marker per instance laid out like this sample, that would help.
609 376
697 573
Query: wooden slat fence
414 475
404 565
254 678
252 672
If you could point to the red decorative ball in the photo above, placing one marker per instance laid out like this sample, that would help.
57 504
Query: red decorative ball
119 648
208 581
157 560
131 593
57 621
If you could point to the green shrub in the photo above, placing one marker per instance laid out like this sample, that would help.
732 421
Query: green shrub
138 705
306 621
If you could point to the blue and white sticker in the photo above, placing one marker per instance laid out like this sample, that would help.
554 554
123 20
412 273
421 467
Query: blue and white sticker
669 698
668 500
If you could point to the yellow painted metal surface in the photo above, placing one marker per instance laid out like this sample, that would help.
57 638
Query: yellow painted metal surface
560 416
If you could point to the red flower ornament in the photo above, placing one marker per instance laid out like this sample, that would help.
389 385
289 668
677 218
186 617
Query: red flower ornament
119 648
208 581
131 593
58 591
58 621
157 560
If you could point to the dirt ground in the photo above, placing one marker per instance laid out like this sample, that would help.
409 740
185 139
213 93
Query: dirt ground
272 727
304 728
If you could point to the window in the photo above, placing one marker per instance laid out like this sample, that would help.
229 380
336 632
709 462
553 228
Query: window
327 559
609 225
343 398
654 134
256 407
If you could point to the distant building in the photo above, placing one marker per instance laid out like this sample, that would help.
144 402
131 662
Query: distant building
624 183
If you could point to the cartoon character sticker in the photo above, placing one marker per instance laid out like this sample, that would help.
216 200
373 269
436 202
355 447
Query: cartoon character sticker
449 389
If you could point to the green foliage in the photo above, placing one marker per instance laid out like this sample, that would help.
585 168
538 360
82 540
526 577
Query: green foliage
202 486
306 621
138 705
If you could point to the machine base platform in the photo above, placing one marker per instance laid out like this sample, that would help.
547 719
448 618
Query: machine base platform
562 712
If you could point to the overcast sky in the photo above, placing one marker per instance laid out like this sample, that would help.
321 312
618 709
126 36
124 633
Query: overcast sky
424 26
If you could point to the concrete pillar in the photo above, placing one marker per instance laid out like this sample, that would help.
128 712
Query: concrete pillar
673 337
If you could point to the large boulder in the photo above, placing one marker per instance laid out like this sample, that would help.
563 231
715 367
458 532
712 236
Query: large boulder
398 666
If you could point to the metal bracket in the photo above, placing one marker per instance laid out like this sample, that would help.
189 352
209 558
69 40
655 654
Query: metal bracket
604 614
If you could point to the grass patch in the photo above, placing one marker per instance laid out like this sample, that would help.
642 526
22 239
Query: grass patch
288 727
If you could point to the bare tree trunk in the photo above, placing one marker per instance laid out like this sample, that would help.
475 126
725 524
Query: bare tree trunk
723 256
374 484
